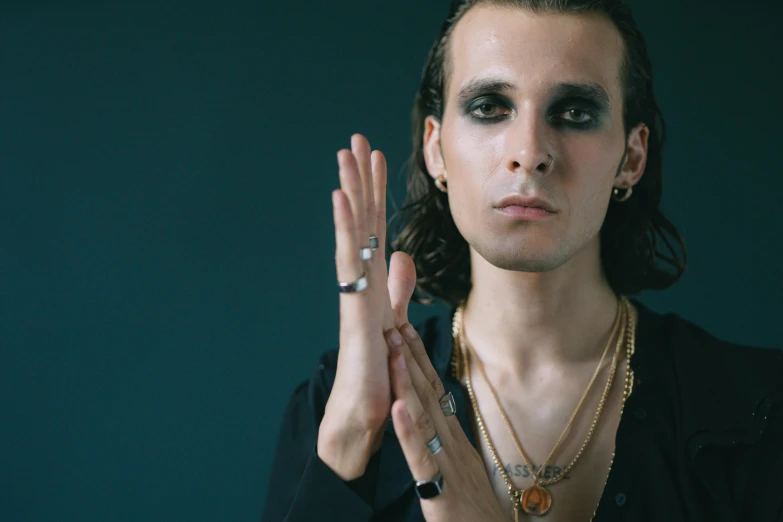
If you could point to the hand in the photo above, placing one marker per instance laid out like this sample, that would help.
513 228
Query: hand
360 401
467 493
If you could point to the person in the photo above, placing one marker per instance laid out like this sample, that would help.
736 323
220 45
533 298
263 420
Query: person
532 211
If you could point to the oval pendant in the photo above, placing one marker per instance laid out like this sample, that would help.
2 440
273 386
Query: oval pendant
536 500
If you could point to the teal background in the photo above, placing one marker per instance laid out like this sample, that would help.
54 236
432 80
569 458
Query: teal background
166 241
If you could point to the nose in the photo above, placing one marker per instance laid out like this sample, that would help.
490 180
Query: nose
529 150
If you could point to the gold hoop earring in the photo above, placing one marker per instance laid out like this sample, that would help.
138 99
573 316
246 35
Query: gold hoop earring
616 193
440 182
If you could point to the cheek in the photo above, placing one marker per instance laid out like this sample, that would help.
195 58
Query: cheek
472 159
590 195
593 209
474 154
462 205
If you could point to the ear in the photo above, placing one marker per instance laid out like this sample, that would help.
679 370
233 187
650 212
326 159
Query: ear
635 157
433 153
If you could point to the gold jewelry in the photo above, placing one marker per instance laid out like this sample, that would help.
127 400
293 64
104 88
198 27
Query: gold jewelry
536 476
627 194
440 182
536 500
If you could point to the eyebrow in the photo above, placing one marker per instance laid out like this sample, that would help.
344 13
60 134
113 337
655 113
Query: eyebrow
590 90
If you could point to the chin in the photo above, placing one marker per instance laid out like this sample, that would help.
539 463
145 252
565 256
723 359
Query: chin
523 258
519 264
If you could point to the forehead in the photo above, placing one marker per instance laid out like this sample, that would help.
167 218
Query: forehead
535 51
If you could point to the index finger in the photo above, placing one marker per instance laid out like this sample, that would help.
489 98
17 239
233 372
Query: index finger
379 180
361 150
425 379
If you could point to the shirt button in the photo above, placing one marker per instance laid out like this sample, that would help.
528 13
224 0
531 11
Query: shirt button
620 499
640 413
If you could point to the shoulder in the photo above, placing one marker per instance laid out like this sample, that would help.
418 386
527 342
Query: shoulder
714 362
692 341
731 413
721 385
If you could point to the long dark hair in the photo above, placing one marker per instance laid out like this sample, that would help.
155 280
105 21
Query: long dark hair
632 233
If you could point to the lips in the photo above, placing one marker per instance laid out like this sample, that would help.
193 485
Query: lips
527 202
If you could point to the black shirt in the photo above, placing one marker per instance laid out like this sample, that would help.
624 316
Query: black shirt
700 438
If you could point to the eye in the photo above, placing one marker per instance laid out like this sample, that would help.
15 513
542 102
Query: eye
579 115
486 110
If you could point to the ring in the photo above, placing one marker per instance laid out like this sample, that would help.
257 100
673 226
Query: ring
430 488
447 405
435 445
354 286
374 242
365 253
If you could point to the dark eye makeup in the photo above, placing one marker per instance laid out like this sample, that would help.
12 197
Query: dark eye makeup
573 112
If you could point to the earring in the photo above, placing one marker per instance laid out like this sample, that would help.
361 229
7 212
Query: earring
616 191
440 182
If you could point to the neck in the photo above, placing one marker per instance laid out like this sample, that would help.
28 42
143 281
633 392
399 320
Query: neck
526 322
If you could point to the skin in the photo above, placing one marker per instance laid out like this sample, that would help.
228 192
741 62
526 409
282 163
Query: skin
531 280
540 312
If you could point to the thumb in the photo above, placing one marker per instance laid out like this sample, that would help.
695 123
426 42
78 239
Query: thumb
401 283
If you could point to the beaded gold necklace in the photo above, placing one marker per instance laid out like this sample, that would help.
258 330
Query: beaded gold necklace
536 500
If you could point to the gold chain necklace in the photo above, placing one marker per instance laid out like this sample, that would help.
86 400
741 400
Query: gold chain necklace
536 500
536 475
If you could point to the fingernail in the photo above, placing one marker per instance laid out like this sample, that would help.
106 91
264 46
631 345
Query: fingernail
409 332
400 362
395 337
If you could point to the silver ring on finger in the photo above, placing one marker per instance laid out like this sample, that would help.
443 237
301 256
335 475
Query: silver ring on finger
447 405
365 253
374 242
435 445
427 489
350 287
